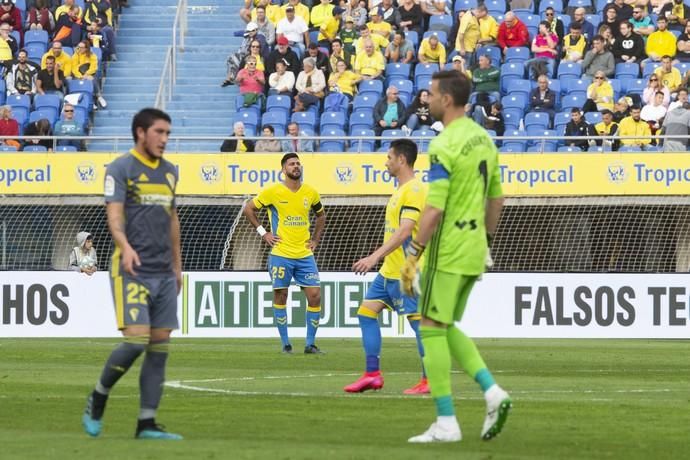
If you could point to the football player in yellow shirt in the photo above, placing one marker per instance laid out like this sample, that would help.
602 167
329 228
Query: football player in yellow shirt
288 204
402 217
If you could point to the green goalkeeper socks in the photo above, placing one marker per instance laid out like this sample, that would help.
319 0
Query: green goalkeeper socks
465 352
437 364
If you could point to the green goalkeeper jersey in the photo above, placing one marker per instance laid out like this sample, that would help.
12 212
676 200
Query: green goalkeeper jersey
463 173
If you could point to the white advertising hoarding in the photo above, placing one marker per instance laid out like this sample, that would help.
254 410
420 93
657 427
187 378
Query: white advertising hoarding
238 304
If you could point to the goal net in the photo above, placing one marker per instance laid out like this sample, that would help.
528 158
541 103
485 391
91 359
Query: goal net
547 234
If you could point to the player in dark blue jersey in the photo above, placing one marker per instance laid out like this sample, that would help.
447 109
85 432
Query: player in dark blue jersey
145 270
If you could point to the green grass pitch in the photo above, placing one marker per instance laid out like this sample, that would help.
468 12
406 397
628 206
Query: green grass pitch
241 398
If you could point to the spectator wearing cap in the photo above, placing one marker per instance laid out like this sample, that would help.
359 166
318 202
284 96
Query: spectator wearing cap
377 25
411 17
301 10
348 35
431 51
328 30
236 60
310 85
282 52
321 13
390 14
380 42
10 14
369 63
294 29
320 59
486 79
459 65
389 111
356 9
512 32
265 26
400 49
281 81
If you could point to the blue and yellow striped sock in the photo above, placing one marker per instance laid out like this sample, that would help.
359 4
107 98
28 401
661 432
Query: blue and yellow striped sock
414 324
371 337
313 318
281 320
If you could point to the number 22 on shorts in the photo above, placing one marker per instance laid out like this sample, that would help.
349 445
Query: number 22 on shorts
137 294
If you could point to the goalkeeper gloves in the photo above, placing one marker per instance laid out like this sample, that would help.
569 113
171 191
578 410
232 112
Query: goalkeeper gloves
408 274
489 261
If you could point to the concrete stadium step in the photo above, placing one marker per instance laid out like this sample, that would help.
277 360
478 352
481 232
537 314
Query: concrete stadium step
146 32
125 71
126 40
219 107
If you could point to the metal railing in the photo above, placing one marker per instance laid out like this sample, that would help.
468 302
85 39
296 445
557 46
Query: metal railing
169 72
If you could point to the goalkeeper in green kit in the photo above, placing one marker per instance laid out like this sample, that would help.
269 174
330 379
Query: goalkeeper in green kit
461 214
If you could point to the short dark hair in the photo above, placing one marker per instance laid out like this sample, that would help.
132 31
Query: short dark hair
145 118
599 38
545 24
286 157
261 7
575 26
50 58
635 107
549 8
666 57
606 112
482 8
455 84
270 128
661 18
682 89
575 110
313 46
336 40
406 148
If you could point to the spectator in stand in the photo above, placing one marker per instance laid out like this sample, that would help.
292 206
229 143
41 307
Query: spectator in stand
265 26
389 111
390 14
68 126
578 127
599 94
330 27
629 47
255 51
624 8
586 27
98 17
295 144
339 53
380 42
240 144
605 31
657 5
251 83
63 61
544 47
682 99
310 85
343 80
10 14
654 113
358 12
612 20
39 128
683 45
676 123
458 64
320 59
40 17
677 14
400 49
598 58
369 63
622 108
434 8
321 13
65 7
488 27
467 35
294 29
8 127
245 12
301 10
281 81
660 43
83 258
669 76
282 52
633 125
348 35
607 128
411 17
268 143
574 44
641 22
377 25
85 66
512 32
555 25
417 114
431 51
486 78
50 80
493 120
21 77
68 28
273 13
654 86
542 98
8 46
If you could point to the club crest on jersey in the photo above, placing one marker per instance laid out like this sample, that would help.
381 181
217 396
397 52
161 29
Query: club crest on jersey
306 203
171 180
345 174
86 172
209 173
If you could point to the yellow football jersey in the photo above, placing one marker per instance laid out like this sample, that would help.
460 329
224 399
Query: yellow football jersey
406 203
289 216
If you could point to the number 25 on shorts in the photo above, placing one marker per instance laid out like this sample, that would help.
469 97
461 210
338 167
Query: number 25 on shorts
278 272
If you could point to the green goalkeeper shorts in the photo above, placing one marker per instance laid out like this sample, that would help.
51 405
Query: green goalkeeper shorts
444 295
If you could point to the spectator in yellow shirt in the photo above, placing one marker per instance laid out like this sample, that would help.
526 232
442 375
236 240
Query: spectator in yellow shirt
431 51
369 63
62 60
599 94
380 42
468 34
328 30
343 80
660 43
85 66
273 13
488 27
668 75
65 7
574 44
633 125
321 13
377 25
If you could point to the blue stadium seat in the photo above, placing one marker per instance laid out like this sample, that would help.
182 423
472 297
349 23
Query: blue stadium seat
3 91
649 69
516 146
277 118
537 119
617 87
413 38
552 144
344 103
683 67
511 71
422 137
517 54
66 148
532 23
557 6
361 119
48 100
560 120
494 53
575 85
389 135
425 69
601 4
19 100
7 148
34 148
593 117
514 101
239 105
442 36
633 85
511 118
572 100
627 70
279 103
249 118
441 22
594 19
423 82
332 120
463 5
404 85
398 70
473 98
498 5
362 145
36 37
48 113
364 101
84 87
569 149
304 120
599 149
629 149
336 144
35 52
521 86
374 87
571 69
